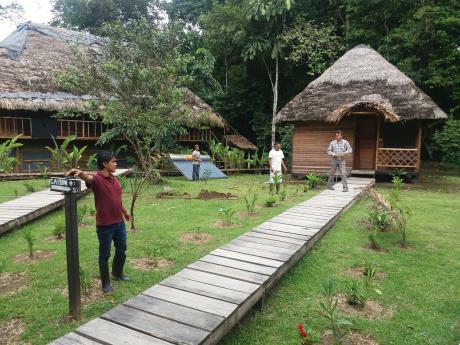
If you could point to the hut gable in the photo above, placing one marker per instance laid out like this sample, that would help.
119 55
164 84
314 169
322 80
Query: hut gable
360 79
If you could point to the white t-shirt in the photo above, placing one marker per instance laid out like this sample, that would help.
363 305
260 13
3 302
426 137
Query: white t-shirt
277 157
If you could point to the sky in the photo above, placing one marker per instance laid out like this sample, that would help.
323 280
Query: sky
38 11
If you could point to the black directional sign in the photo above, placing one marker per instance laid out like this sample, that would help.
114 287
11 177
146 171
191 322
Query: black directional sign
66 185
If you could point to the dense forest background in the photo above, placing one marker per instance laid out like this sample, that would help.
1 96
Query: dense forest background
235 47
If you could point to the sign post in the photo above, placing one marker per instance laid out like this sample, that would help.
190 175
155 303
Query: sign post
71 187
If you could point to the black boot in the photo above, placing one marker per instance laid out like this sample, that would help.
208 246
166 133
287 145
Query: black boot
117 268
105 278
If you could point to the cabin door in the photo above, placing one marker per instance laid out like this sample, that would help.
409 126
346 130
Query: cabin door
365 143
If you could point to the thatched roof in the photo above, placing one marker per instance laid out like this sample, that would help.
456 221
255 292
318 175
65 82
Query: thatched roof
239 141
27 73
360 80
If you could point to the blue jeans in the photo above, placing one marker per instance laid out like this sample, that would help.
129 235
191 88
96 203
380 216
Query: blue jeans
107 233
196 172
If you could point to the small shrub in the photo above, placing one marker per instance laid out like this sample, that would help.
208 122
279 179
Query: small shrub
306 187
283 194
29 187
30 239
250 204
227 215
86 283
401 214
328 310
271 201
308 336
153 254
313 180
82 211
373 238
395 192
206 175
379 218
16 192
59 229
370 270
356 293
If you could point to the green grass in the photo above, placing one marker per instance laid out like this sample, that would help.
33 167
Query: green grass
41 304
12 189
422 283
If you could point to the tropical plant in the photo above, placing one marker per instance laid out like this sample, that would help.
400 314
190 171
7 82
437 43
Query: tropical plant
270 201
227 215
306 187
395 192
86 283
401 214
206 175
370 269
283 194
250 204
29 186
59 155
7 160
59 229
313 180
74 157
373 238
30 240
82 211
379 218
328 310
153 254
91 164
356 293
215 148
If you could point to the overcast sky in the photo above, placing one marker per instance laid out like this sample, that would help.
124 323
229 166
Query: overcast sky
38 11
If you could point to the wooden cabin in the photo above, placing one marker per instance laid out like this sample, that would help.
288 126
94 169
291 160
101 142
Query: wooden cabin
29 97
380 110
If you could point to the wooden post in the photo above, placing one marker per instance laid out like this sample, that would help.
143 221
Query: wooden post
419 144
73 260
379 121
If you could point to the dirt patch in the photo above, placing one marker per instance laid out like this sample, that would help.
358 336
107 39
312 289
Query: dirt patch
352 338
371 310
405 247
212 194
145 264
39 255
12 282
93 293
54 239
358 272
222 224
242 214
11 330
172 195
196 237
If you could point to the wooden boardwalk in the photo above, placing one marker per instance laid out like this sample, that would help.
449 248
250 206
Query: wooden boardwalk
201 303
17 212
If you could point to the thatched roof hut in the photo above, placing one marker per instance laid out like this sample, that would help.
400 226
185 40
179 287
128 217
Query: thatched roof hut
379 109
361 78
32 55
239 141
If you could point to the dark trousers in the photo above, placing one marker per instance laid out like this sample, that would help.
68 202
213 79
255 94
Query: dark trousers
196 172
107 233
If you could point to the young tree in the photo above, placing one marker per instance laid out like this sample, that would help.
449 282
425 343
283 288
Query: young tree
7 161
135 82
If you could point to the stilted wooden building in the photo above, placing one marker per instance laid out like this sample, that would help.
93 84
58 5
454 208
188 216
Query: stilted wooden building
380 110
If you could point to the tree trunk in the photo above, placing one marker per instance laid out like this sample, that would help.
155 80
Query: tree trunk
133 201
226 71
275 101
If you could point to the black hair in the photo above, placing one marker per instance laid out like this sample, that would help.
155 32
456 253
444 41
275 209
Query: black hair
104 157
276 143
338 131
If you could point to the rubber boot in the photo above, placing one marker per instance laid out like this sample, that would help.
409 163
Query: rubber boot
117 268
105 278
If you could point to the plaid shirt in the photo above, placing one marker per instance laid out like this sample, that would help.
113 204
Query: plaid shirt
336 147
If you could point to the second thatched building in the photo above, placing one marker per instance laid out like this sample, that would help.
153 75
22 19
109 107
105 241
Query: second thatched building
380 110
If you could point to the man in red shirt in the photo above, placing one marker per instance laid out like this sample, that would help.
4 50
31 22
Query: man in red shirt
110 215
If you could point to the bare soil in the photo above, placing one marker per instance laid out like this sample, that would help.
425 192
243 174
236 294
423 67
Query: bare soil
222 224
94 293
54 239
196 237
11 330
358 272
352 338
208 195
172 195
12 282
371 310
39 255
146 264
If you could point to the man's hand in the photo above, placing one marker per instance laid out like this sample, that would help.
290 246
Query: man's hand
285 169
127 216
73 172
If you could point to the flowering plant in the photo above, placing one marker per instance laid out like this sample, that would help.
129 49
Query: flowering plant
307 336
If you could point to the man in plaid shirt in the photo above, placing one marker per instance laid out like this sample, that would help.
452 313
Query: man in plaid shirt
338 149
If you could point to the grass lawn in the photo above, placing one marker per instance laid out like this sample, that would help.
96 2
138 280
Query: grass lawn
12 189
421 286
38 309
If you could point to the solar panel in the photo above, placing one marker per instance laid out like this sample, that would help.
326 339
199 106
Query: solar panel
184 164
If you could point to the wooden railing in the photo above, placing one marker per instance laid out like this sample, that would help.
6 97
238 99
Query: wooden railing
83 129
12 126
195 135
397 158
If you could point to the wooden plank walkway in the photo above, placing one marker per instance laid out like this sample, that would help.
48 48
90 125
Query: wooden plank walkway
17 212
201 303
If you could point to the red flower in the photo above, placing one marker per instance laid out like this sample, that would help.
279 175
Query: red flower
301 331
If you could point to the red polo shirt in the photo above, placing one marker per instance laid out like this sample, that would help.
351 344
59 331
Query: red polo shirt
107 199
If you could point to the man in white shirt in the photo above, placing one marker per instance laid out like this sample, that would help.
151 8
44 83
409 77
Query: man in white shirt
276 160
196 158
338 149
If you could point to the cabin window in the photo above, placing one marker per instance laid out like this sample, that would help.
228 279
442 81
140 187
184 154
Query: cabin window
399 135
12 126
